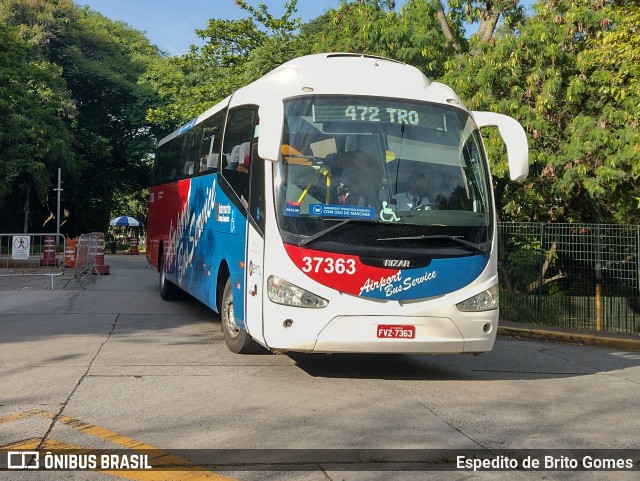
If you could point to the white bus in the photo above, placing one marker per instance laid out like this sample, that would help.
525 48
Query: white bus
340 203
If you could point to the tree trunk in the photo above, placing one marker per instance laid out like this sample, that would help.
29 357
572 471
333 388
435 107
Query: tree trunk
488 26
486 29
446 30
545 267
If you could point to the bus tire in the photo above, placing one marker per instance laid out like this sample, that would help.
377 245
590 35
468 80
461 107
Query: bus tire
237 339
168 290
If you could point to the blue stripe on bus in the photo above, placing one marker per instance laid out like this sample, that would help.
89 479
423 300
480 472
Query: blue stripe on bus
442 276
216 232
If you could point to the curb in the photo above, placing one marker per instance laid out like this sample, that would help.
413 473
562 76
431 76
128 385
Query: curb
572 337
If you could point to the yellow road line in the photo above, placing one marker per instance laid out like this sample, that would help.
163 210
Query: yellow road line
24 445
173 466
22 415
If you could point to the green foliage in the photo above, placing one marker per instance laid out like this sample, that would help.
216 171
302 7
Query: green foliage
411 35
583 146
486 13
530 309
34 133
362 27
530 293
523 263
133 204
237 52
420 41
77 103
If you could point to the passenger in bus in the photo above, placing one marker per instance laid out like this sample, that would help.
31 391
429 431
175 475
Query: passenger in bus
244 157
187 170
414 196
239 158
208 162
360 179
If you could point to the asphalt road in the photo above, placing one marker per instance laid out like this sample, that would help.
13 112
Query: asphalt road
113 366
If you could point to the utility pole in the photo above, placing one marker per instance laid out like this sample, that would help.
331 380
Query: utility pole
58 212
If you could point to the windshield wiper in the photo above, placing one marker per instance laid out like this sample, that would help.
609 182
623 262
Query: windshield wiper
484 247
324 232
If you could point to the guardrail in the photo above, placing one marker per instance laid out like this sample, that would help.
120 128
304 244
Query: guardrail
40 254
85 259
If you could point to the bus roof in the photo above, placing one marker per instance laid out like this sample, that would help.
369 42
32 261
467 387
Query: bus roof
346 74
337 74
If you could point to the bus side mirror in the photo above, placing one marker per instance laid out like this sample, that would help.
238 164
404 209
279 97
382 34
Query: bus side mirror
271 114
514 138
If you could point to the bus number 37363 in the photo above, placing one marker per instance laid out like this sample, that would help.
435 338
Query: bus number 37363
329 265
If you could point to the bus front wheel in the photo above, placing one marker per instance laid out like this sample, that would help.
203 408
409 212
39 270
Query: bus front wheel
237 339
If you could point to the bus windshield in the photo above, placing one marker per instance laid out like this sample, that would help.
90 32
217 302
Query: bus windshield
361 174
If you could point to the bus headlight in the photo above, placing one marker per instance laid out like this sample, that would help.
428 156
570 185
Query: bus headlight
283 292
485 301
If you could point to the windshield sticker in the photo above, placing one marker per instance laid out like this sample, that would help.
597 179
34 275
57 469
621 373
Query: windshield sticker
337 210
292 209
387 214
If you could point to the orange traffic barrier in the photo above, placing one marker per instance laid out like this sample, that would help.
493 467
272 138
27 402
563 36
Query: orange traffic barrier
70 253
133 246
100 266
49 254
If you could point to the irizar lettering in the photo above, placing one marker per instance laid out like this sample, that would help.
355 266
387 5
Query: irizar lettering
396 263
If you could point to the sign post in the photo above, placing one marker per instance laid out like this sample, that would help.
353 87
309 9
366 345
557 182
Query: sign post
59 189
20 247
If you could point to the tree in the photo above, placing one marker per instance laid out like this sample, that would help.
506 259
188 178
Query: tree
411 35
609 137
236 53
240 51
102 63
486 13
35 137
534 74
360 27
77 103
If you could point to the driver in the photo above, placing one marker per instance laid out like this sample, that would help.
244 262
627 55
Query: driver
414 196
360 179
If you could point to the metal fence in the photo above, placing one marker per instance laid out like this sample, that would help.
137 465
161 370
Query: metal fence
582 276
32 255
85 261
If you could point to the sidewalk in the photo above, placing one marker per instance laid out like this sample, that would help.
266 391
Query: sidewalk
609 340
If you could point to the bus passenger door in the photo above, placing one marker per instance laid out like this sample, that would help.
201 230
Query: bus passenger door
254 282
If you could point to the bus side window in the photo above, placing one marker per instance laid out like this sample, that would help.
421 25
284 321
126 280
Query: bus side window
209 154
237 149
189 154
168 163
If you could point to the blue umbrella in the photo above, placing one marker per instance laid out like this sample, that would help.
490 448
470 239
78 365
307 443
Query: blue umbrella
125 220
